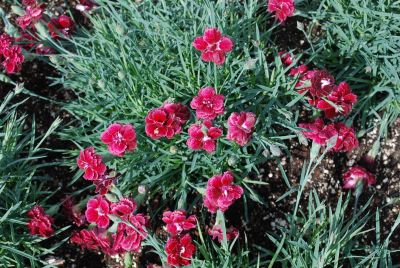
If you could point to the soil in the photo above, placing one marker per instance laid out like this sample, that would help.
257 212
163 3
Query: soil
261 219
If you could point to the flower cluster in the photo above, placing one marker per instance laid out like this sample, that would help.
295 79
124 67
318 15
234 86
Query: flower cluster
10 55
357 174
282 8
40 223
213 46
179 247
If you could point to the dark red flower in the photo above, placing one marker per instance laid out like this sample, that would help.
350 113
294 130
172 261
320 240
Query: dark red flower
217 232
355 174
282 8
104 182
286 58
221 193
341 97
177 221
13 59
322 84
240 127
124 208
203 136
208 104
72 212
119 138
62 24
32 15
128 238
91 163
213 46
300 70
29 2
97 210
40 223
180 250
318 131
166 121
44 50
91 239
347 140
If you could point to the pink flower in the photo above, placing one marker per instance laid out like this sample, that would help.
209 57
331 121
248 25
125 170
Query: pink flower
221 193
282 8
29 2
97 210
62 24
130 239
203 136
240 127
166 121
13 59
341 97
207 104
40 223
213 46
347 140
119 138
32 15
286 58
318 131
72 212
177 222
91 239
180 250
217 232
124 207
5 43
91 163
355 174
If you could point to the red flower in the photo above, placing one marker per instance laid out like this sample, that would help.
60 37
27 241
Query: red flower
40 222
97 210
128 238
213 46
166 121
300 70
216 232
318 131
29 2
62 24
282 8
240 127
13 59
91 239
322 84
207 104
32 15
72 212
180 250
221 193
355 174
286 58
341 97
91 163
177 222
347 140
203 136
119 138
5 43
124 207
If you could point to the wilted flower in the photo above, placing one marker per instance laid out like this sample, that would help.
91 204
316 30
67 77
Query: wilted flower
72 212
318 131
347 140
216 232
180 250
128 238
177 221
97 210
124 208
33 13
85 5
40 222
221 193
203 136
119 138
341 97
282 8
91 239
356 174
91 163
208 104
213 46
300 70
240 127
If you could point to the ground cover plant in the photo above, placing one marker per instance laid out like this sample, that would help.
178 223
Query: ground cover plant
177 135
